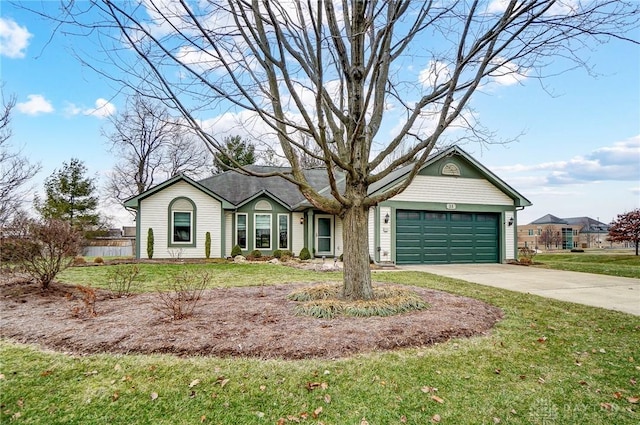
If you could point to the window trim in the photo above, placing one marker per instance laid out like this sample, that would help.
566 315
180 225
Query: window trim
255 230
286 248
171 243
246 229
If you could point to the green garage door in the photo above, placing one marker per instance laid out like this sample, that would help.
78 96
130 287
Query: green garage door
446 237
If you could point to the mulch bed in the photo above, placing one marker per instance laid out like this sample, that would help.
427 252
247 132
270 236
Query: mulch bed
254 322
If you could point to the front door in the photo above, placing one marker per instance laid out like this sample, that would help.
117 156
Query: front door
324 235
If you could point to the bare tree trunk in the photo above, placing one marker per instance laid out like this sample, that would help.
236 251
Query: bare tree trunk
355 239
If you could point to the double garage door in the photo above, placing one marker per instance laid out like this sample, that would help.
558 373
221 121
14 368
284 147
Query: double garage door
424 237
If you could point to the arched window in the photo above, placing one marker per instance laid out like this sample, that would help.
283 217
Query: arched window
182 222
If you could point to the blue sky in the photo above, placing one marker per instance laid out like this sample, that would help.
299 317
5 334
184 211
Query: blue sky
578 154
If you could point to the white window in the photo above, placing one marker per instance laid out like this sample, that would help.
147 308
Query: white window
182 223
283 231
263 231
182 227
241 231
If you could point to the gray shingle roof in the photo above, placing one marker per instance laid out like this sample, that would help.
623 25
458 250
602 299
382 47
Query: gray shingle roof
549 219
237 188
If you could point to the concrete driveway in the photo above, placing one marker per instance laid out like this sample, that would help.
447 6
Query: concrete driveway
613 293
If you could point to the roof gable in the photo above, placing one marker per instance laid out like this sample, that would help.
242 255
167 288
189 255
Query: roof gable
134 201
437 161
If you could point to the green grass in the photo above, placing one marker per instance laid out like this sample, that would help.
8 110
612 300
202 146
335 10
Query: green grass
547 362
613 264
154 276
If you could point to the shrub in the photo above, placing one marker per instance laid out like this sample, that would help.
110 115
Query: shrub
236 250
577 250
121 278
287 253
255 253
304 254
89 300
207 245
341 257
12 250
79 261
525 255
323 301
98 260
57 244
150 243
277 253
186 292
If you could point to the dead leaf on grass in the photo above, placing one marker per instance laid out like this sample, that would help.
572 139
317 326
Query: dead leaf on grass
194 383
437 399
317 412
154 396
428 389
633 400
436 419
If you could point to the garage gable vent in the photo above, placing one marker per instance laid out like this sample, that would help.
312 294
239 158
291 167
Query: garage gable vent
450 169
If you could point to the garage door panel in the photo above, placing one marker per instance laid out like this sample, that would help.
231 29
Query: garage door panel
435 237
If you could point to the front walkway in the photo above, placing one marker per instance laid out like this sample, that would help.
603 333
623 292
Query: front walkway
613 293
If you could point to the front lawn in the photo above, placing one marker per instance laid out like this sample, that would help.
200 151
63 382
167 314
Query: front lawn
598 262
546 362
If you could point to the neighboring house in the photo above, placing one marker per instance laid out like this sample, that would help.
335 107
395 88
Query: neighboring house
455 211
553 232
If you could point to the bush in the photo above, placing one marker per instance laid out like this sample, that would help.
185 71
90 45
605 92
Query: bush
57 244
150 242
207 245
236 250
98 260
304 254
324 302
255 253
525 255
79 261
16 250
341 257
186 292
577 250
277 253
121 278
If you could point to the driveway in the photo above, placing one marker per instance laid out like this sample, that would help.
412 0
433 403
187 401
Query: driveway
613 293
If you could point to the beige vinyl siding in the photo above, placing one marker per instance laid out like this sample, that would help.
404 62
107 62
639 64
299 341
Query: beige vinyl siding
385 234
453 190
338 237
509 236
228 223
154 214
297 233
372 232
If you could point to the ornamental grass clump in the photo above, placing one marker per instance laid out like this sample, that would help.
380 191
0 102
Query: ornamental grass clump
324 302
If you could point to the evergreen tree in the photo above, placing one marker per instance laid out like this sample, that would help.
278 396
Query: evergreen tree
236 152
70 196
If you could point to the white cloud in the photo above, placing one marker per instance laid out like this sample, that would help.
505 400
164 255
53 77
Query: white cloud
435 73
14 39
36 104
618 162
507 73
560 7
103 109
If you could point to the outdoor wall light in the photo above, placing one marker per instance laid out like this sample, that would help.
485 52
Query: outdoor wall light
510 222
301 220
386 219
